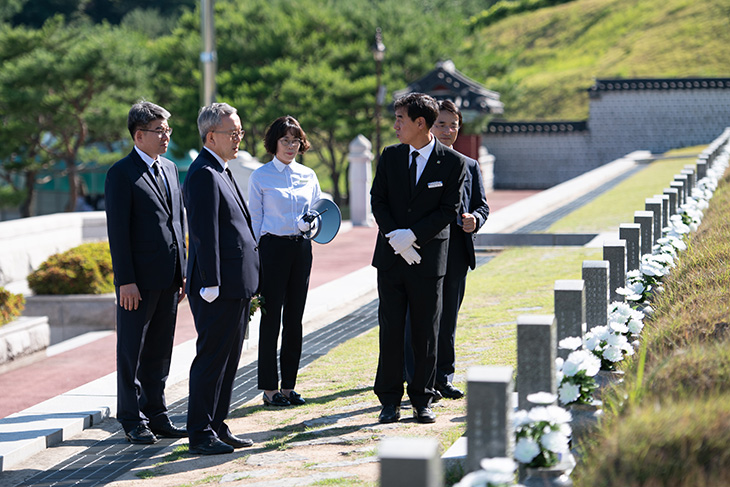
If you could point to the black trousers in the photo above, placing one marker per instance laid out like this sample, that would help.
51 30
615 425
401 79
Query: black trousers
402 290
145 339
221 327
285 268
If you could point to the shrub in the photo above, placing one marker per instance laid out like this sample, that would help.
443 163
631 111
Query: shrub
11 305
86 269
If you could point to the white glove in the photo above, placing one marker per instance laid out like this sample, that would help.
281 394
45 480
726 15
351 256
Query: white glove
401 239
307 222
303 226
210 294
411 256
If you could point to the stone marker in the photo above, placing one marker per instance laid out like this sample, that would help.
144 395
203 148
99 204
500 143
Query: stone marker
631 234
614 251
672 193
684 179
570 310
689 171
536 352
595 276
681 198
489 407
665 210
701 167
655 205
410 462
646 220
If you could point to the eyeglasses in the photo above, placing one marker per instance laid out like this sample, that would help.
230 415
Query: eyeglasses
234 134
160 132
290 142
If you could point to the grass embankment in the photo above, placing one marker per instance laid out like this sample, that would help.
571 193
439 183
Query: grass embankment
669 424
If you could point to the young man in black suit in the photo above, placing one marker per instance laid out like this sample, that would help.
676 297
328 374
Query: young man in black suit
223 275
415 196
145 224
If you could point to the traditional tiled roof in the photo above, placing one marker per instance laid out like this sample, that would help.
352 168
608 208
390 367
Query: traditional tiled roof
608 85
446 82
536 127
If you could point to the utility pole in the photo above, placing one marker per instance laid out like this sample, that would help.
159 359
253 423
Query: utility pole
208 56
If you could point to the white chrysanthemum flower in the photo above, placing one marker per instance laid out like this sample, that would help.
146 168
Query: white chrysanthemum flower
565 429
570 343
637 315
568 392
617 327
601 332
635 326
542 398
632 292
526 450
616 340
559 363
570 368
559 415
555 441
618 310
500 470
520 418
591 365
590 341
613 354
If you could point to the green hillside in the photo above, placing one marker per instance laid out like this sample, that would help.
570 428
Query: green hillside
542 62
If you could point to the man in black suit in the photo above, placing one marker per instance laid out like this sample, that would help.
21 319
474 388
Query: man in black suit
415 196
473 212
223 275
145 224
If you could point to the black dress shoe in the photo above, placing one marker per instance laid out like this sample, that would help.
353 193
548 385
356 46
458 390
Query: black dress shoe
436 397
277 400
235 441
389 414
449 391
141 435
295 399
212 446
169 430
424 414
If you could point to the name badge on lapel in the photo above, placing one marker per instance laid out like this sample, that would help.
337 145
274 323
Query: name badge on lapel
435 184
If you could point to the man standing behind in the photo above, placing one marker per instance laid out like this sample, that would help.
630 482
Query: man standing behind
473 212
415 196
223 270
145 224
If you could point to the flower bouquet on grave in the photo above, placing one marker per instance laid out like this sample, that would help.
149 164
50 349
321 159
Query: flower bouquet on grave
626 320
576 374
495 472
543 436
609 344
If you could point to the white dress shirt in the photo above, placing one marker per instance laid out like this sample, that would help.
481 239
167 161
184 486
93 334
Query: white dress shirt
149 161
279 194
423 154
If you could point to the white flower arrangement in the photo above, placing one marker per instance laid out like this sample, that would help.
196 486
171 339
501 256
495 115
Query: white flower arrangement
576 374
609 344
543 435
495 472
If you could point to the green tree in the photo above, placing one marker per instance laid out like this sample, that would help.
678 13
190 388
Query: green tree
64 94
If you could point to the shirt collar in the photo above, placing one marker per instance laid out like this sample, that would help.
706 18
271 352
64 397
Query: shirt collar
280 166
147 159
223 163
424 151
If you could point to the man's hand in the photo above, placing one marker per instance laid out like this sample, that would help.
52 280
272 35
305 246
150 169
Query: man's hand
129 297
210 294
401 239
468 222
181 293
411 256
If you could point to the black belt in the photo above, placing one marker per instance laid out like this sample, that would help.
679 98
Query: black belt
296 238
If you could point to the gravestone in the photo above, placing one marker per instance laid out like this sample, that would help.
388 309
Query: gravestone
631 234
595 276
689 171
646 220
489 406
681 197
665 210
701 167
684 179
410 462
672 193
570 310
614 251
655 206
536 352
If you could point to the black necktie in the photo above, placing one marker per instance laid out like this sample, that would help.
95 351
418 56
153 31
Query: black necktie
413 169
161 181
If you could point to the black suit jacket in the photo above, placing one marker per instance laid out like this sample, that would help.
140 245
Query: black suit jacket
474 201
223 249
146 236
427 212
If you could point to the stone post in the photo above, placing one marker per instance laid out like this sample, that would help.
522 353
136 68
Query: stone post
701 167
655 206
360 178
631 234
410 462
686 190
570 310
673 194
646 220
614 251
681 197
689 171
536 352
665 210
595 275
489 407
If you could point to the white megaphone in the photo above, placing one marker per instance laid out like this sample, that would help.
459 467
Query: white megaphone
324 218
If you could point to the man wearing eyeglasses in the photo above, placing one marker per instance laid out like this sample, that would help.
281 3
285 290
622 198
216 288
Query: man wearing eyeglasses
223 270
145 224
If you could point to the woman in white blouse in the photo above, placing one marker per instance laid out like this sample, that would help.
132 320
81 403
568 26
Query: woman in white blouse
281 193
